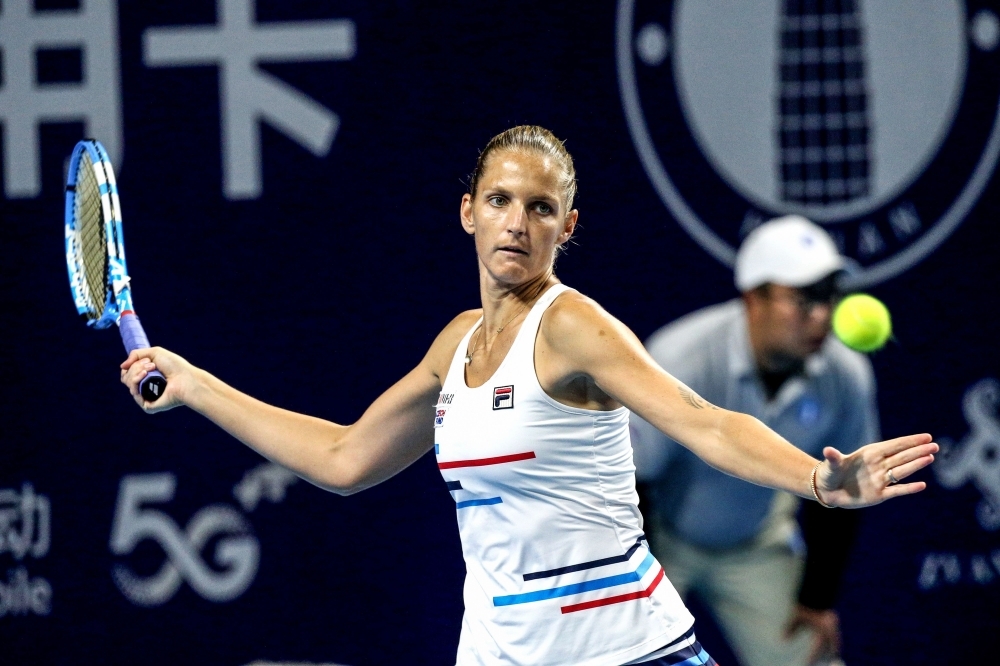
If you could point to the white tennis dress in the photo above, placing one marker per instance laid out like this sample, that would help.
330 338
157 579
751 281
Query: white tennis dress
558 570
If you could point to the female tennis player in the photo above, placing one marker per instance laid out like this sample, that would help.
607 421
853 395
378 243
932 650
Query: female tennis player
530 398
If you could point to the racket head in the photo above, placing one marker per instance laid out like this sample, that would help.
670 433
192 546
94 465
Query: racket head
95 253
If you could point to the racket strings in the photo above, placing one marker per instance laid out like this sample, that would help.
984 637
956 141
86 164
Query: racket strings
90 221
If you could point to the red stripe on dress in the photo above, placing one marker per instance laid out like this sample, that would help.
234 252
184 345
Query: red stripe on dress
615 600
479 462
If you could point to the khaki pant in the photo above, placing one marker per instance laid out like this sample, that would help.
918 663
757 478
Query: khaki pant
751 590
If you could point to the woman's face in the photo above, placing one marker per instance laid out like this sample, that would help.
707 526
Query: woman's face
518 215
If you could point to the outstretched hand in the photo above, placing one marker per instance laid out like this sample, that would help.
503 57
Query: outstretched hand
176 370
873 473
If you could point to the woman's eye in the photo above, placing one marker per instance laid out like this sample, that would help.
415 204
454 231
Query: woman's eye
544 209
496 201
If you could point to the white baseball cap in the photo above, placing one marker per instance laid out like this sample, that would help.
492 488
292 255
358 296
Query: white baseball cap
790 251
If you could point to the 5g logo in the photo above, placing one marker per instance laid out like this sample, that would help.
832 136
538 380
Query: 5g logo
237 551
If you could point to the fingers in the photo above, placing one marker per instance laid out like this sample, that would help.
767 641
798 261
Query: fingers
136 372
140 365
135 369
902 469
133 380
147 353
903 456
909 455
904 463
132 358
901 489
891 447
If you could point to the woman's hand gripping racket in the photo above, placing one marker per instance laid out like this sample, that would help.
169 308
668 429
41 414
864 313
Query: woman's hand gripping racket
95 253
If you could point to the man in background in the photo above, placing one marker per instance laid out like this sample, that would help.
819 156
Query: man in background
735 545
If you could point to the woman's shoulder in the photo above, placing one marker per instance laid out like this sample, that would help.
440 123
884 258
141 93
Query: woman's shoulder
571 309
456 329
575 317
462 322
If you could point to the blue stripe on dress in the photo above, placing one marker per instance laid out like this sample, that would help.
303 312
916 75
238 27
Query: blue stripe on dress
479 502
577 588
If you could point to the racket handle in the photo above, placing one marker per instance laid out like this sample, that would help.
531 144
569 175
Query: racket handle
154 383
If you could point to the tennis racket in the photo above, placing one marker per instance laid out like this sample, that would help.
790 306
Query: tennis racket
95 253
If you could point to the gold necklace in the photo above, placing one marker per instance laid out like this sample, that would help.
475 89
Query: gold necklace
475 345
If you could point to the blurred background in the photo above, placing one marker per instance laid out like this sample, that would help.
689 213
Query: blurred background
290 174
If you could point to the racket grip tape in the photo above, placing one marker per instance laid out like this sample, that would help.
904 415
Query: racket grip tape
154 383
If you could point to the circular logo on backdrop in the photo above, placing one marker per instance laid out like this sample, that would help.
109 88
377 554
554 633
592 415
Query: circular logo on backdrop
879 121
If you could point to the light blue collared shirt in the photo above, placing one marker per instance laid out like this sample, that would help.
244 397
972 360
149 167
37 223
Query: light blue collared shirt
831 404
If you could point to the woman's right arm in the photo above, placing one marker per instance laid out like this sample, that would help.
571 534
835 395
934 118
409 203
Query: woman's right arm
392 433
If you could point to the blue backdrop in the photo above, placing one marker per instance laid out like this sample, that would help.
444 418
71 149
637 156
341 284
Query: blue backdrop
314 273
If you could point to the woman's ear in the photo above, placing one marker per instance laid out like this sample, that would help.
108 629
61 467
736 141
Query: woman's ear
569 225
465 213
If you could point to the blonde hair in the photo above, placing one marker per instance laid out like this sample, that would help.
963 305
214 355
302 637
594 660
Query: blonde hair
529 138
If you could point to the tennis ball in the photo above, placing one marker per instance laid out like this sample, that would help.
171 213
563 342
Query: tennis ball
862 322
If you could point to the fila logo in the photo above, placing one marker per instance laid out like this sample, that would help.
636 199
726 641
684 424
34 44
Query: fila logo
503 397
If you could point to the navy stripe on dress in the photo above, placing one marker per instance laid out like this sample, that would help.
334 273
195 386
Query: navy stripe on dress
586 565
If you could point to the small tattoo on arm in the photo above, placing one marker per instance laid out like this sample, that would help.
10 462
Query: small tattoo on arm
695 400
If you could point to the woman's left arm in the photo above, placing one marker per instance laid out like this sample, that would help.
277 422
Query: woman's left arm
586 341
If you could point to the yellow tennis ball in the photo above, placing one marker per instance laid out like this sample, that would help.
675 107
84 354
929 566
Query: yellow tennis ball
862 322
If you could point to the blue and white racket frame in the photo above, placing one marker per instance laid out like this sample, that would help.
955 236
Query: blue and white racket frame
117 306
